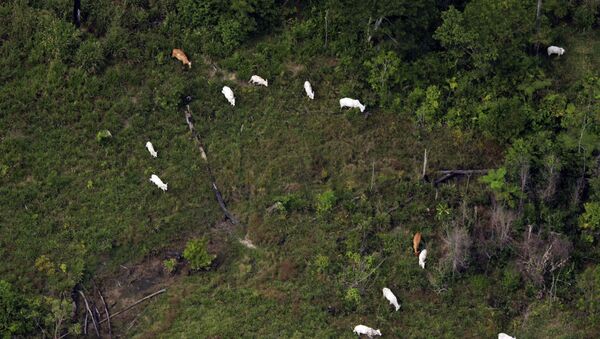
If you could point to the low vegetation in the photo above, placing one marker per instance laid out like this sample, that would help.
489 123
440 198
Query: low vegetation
329 198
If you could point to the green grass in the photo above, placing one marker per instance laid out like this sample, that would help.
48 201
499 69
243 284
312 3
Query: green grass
580 59
68 200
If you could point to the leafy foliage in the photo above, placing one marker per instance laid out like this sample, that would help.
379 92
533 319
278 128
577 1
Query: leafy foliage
496 179
331 200
15 312
325 201
197 254
590 220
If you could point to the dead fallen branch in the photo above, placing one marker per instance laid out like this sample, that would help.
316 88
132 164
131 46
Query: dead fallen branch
133 305
85 322
218 195
107 312
87 306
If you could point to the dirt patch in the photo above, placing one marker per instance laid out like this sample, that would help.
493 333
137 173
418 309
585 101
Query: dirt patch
134 281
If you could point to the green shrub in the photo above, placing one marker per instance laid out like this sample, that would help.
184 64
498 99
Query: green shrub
588 287
427 114
503 190
170 265
15 315
383 73
321 263
325 202
585 16
352 297
511 279
196 253
103 135
290 202
589 221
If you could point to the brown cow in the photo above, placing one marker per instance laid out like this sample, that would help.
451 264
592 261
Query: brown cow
416 242
177 53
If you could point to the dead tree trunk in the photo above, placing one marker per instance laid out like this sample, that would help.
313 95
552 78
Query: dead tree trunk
375 28
213 186
77 13
538 13
424 174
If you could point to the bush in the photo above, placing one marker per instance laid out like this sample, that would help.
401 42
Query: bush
511 280
321 263
584 16
589 221
352 298
170 265
588 287
197 254
503 190
383 73
103 135
14 312
325 202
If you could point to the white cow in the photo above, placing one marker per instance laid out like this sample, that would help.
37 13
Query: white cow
255 79
422 258
156 180
352 103
309 91
387 293
228 93
151 149
556 50
505 336
362 329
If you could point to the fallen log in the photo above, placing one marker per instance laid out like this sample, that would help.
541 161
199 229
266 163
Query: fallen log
464 172
133 305
218 195
447 174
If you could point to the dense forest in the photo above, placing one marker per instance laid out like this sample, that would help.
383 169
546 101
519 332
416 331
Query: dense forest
286 216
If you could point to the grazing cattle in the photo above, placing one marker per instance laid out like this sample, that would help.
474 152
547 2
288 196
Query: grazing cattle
422 258
156 180
505 336
177 53
416 242
228 93
556 50
387 293
150 148
309 91
352 103
255 79
362 329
